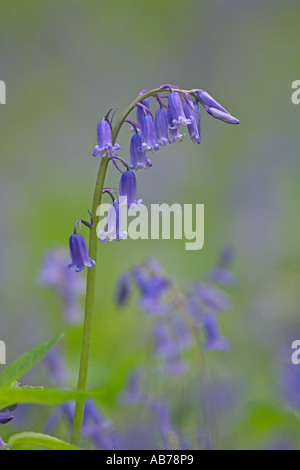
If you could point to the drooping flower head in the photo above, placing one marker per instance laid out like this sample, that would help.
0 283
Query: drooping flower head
140 112
161 127
208 101
127 188
138 158
152 288
193 112
149 141
211 299
113 226
174 134
104 137
79 253
225 117
178 118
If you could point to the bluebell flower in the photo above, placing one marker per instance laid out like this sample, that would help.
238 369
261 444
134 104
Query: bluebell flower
172 338
222 276
178 118
193 112
208 101
113 225
5 417
211 298
140 113
289 382
104 137
98 429
225 117
149 141
138 158
161 127
127 188
214 340
174 134
123 289
152 289
174 365
79 253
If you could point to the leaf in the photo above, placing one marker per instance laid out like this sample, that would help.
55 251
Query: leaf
41 440
43 396
25 362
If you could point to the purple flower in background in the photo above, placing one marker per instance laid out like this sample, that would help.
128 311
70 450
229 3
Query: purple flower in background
289 384
55 274
104 136
162 420
174 365
98 429
140 112
138 158
79 253
162 414
211 298
161 127
123 289
178 118
113 225
214 340
221 274
152 288
127 188
174 133
166 345
225 117
149 141
5 417
171 338
223 277
209 102
193 112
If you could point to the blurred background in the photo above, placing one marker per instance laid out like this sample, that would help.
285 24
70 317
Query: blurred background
65 64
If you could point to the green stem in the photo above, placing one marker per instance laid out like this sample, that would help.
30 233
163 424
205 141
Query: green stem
91 276
89 307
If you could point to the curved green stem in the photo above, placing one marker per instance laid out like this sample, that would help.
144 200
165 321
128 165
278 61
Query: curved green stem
91 276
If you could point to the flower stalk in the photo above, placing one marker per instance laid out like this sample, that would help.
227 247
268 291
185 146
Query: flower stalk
107 150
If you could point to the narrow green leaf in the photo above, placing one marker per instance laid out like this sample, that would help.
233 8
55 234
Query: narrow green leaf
25 362
41 440
43 396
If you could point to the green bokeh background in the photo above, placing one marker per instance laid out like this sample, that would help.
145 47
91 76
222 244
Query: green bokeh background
65 64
